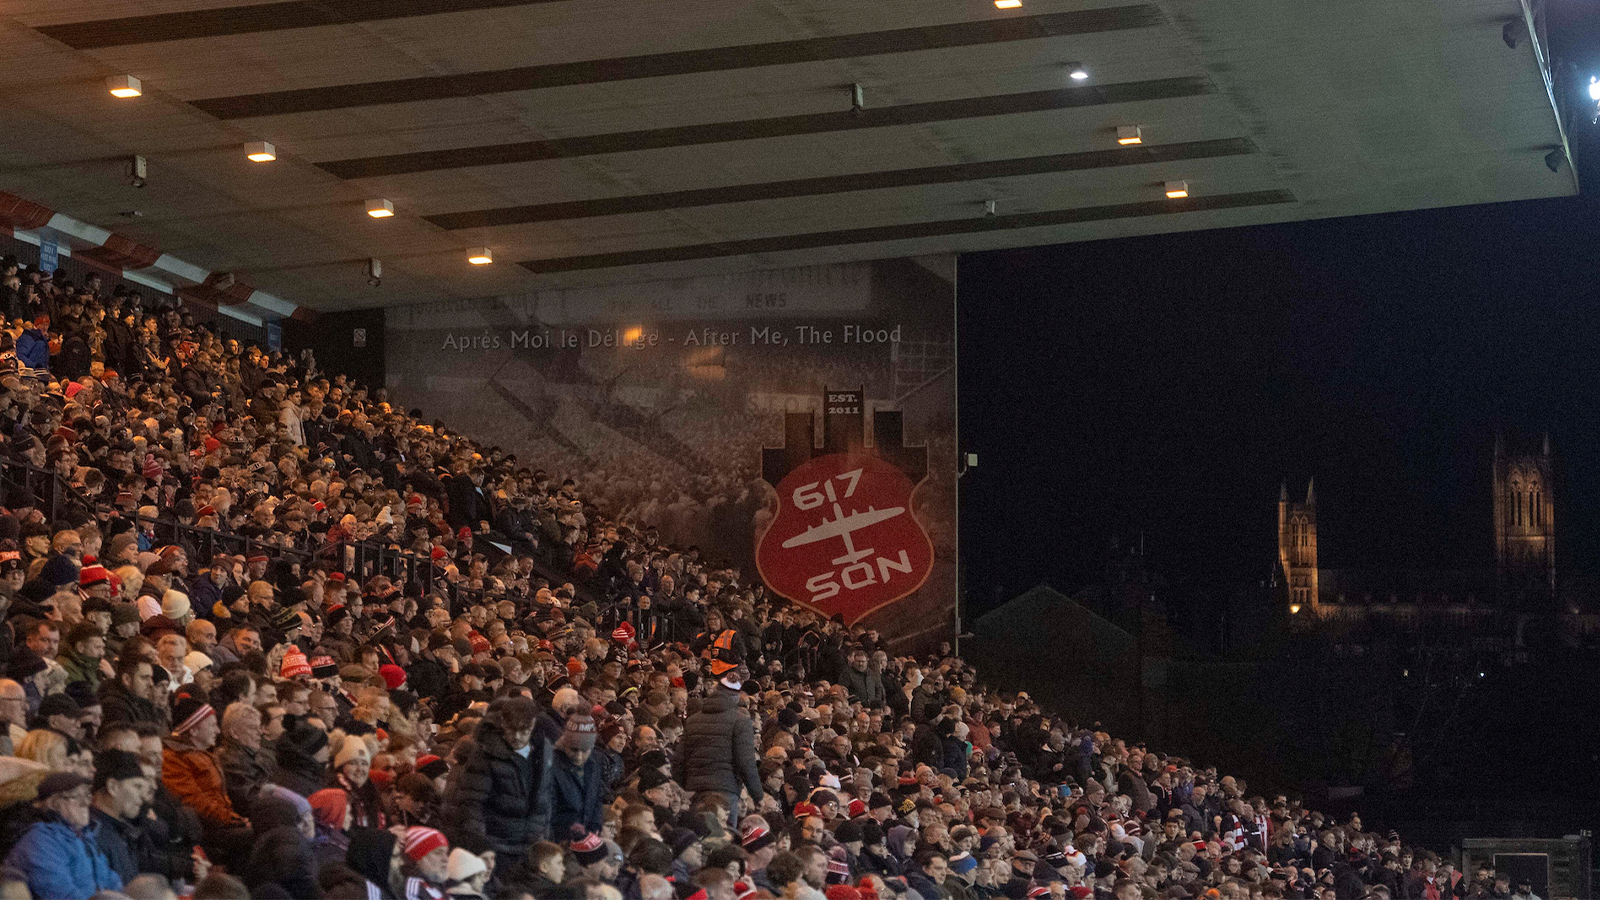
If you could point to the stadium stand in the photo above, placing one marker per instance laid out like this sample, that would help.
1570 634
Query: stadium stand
270 636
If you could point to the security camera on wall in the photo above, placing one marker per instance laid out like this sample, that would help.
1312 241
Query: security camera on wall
374 271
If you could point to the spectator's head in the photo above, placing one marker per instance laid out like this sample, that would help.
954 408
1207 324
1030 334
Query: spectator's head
241 724
577 738
66 796
194 721
120 786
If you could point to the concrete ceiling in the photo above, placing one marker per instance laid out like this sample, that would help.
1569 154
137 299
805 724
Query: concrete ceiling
591 141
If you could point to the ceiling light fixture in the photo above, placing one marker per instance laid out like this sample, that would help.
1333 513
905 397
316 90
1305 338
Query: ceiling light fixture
1008 4
1077 72
1177 190
124 86
480 256
380 209
260 151
1129 134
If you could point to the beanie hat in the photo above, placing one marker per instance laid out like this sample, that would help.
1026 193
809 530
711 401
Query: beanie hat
174 604
352 748
848 832
464 865
419 842
294 663
579 733
651 778
92 575
432 766
196 661
302 806
188 712
120 544
59 571
302 736
962 863
123 613
328 807
587 847
285 619
324 667
680 839
754 837
393 676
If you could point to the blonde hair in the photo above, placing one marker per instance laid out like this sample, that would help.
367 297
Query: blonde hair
49 748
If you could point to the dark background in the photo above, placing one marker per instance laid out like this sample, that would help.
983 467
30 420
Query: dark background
1165 386
1160 389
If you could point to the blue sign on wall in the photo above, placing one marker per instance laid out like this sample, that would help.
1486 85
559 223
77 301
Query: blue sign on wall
274 337
49 251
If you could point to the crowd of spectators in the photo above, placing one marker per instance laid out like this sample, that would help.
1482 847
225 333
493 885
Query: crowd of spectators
205 697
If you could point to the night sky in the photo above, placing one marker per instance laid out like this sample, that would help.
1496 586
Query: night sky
1165 385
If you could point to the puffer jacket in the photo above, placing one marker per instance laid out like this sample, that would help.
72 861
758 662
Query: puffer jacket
493 802
719 748
60 863
33 349
194 777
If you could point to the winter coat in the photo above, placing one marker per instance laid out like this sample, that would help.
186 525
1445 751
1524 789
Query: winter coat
72 362
719 748
60 863
80 668
118 707
428 678
244 771
141 846
612 770
571 795
918 881
493 802
194 776
33 349
864 686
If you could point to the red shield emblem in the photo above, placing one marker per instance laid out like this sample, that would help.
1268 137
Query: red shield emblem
844 539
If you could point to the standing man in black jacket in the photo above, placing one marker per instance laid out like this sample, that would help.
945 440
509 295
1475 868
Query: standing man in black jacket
493 802
719 743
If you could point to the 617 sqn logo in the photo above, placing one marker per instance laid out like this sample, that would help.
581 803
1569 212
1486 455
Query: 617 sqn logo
844 539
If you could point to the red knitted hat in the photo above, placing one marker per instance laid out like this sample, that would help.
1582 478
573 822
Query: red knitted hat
421 841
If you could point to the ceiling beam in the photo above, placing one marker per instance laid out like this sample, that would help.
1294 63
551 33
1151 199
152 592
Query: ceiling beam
908 231
254 19
777 126
839 184
683 62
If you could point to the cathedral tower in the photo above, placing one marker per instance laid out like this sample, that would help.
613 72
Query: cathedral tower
1297 547
1524 521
